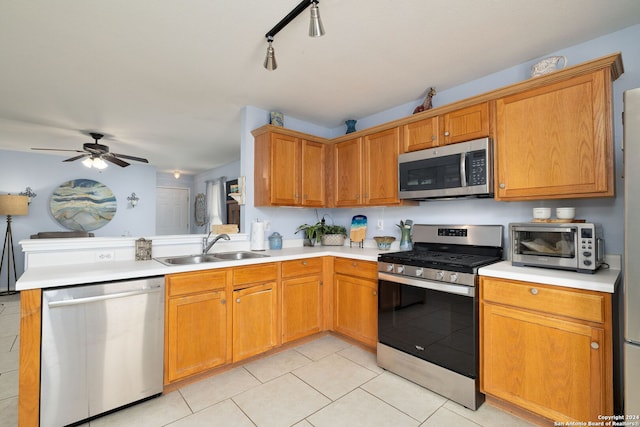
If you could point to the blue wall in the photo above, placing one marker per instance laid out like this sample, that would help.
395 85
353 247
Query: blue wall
607 211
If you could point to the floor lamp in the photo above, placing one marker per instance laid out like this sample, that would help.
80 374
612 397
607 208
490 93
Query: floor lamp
9 206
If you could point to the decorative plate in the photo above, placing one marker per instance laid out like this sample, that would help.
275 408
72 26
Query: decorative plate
83 205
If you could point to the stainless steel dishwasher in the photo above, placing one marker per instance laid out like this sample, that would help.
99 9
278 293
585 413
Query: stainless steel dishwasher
102 348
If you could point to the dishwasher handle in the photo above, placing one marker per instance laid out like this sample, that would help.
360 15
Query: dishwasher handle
86 300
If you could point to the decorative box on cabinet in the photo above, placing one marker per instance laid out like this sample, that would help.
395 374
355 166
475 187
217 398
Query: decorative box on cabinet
289 168
547 349
356 300
302 283
197 323
255 310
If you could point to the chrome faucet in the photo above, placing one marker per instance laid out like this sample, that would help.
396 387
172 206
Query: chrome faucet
206 245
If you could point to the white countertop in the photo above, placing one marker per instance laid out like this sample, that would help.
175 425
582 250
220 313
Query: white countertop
603 280
53 276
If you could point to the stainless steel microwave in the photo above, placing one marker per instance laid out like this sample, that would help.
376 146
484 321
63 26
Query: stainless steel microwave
456 170
568 246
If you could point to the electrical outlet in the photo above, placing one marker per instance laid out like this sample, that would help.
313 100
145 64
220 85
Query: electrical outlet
380 224
103 256
267 225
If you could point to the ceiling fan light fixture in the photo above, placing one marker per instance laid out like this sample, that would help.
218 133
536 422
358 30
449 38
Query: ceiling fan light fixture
88 162
270 60
99 164
315 25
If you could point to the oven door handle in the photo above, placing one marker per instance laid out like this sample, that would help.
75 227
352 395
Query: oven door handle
428 284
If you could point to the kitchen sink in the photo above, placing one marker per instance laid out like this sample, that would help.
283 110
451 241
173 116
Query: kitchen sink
238 255
188 259
199 259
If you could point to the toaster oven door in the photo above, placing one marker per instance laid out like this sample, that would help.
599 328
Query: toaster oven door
546 246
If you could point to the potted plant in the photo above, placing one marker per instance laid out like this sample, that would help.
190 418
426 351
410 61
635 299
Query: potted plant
312 233
333 235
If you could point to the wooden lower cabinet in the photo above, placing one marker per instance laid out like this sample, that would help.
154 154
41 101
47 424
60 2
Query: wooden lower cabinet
356 300
553 362
254 320
197 318
301 298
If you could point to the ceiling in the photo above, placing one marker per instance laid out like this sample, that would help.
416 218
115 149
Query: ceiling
167 80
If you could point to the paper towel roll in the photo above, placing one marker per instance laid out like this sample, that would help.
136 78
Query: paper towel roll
257 236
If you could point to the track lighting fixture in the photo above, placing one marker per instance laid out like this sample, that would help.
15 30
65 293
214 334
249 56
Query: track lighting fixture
315 29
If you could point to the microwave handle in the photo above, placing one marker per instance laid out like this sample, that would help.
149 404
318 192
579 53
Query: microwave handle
463 169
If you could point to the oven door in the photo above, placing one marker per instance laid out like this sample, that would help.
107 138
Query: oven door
436 322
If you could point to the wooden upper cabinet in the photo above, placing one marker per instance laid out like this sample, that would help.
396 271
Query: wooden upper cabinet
460 125
466 124
556 141
366 170
288 170
381 167
348 173
421 135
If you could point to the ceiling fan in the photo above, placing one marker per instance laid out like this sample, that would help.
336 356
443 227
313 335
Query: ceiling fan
96 154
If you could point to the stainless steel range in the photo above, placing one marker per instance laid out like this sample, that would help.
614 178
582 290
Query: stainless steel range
428 308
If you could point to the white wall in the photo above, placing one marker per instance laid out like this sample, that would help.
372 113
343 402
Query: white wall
607 211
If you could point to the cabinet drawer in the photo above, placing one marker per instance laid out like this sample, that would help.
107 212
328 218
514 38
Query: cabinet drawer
197 281
300 267
254 273
352 267
577 304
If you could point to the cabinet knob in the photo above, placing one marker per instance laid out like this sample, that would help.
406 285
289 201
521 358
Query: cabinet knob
502 185
446 133
304 262
433 137
354 264
595 345
375 293
223 301
534 291
237 300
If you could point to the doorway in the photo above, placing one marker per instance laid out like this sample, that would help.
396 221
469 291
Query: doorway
172 210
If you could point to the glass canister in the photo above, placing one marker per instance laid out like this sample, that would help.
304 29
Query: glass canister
275 241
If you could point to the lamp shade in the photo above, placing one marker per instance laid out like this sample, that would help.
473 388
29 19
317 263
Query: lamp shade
14 205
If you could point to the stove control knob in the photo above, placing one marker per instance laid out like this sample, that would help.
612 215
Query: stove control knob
400 269
419 272
440 275
453 277
389 267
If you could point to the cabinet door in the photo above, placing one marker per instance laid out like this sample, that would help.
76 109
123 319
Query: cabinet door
196 334
254 320
466 124
348 173
556 141
421 135
301 306
356 308
313 187
285 170
550 366
381 167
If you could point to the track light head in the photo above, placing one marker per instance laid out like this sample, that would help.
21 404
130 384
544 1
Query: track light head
270 60
315 25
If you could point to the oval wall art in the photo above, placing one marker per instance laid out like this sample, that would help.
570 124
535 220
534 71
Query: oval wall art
83 205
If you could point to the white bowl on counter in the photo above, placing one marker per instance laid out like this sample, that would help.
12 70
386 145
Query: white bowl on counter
566 213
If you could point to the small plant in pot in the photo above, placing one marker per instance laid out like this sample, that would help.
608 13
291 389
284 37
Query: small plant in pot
312 233
333 235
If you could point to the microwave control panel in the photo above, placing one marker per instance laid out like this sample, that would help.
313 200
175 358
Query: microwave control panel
477 167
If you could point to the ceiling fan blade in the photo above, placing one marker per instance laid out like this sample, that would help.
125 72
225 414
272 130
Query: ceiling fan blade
76 157
137 159
113 159
57 149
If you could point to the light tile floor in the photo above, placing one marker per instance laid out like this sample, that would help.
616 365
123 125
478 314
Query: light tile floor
325 382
